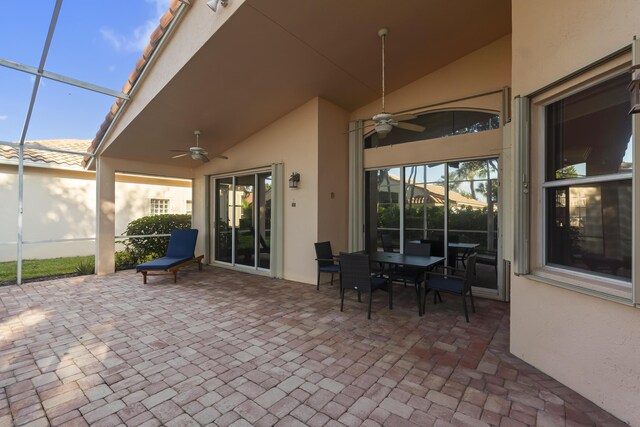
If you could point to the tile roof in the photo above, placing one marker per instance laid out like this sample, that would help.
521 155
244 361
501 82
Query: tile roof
50 157
154 40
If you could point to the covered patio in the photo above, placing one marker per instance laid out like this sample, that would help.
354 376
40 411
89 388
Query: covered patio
222 348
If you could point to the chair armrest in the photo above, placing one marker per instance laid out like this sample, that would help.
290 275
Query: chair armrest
323 259
447 267
434 273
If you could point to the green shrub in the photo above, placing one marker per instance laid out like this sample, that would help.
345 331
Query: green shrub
86 267
125 260
141 249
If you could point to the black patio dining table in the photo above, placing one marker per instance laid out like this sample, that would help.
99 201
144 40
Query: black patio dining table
419 262
466 248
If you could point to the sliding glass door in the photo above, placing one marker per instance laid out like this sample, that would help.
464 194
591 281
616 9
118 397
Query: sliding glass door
243 220
451 205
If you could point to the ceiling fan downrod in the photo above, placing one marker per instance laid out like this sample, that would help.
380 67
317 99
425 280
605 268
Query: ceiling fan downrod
382 33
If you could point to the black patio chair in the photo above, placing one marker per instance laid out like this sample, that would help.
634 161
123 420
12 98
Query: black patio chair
451 283
437 246
326 261
411 274
387 243
355 273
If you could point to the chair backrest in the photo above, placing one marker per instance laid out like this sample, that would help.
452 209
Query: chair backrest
387 243
182 243
324 254
437 246
469 273
355 271
418 249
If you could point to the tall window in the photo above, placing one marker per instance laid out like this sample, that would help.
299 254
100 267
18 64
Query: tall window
588 174
159 206
452 205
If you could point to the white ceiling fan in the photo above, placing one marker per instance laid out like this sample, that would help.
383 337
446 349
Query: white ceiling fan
383 122
197 152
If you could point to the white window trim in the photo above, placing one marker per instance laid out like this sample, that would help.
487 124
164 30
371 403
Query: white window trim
621 291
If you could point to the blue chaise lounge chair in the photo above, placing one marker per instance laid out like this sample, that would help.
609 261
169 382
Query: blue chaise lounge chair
180 253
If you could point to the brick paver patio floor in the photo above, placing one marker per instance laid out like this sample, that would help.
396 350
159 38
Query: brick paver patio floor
227 348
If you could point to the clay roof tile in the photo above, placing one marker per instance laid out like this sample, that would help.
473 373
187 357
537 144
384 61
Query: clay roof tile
49 157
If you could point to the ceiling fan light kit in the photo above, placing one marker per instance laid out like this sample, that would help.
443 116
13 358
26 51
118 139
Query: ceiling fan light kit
382 129
213 4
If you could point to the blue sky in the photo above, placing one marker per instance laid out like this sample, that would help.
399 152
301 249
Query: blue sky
97 41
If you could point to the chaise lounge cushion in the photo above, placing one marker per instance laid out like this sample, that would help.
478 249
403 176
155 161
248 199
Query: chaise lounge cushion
163 263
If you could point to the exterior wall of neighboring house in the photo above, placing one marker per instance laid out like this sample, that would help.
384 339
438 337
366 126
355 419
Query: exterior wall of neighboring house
588 343
293 141
61 204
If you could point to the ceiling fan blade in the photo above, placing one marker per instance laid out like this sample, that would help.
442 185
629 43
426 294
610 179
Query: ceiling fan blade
204 158
361 127
220 156
179 151
180 155
409 126
403 117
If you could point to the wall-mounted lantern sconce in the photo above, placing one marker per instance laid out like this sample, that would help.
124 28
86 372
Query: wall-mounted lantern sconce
634 89
213 4
294 179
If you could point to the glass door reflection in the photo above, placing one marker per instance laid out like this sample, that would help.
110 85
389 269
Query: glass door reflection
472 217
244 220
224 220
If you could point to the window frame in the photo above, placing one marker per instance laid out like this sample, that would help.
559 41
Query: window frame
583 281
153 209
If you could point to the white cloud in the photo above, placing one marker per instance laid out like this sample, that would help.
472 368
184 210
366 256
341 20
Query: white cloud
139 37
3 117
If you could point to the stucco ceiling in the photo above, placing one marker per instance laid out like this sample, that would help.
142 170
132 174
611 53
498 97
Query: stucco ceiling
271 57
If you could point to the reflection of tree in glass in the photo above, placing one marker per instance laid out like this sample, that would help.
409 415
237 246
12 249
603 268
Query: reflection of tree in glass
567 172
470 171
411 185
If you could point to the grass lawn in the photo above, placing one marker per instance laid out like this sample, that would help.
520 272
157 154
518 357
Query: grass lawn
32 268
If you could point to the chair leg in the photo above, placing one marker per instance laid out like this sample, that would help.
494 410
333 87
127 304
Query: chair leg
144 277
439 296
175 276
341 300
318 282
424 300
473 307
418 299
464 304
390 287
370 298
359 296
331 279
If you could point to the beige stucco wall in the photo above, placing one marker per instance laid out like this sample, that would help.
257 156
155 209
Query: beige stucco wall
589 344
333 167
293 141
486 69
61 204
